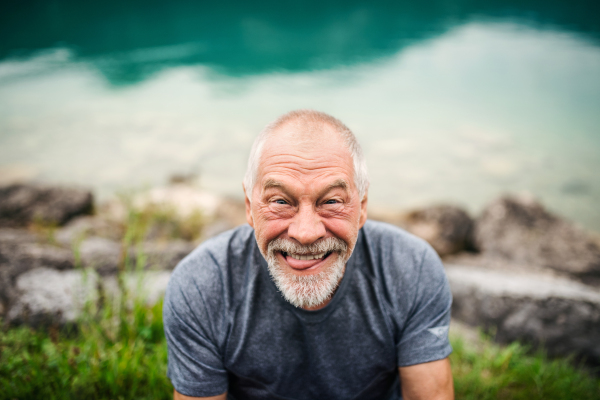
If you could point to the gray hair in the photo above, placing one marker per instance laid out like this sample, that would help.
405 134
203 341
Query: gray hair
313 119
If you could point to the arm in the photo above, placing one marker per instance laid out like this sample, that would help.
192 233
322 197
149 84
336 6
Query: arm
431 380
179 396
195 364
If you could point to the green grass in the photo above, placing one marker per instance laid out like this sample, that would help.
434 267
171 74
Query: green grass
161 222
489 371
121 353
115 351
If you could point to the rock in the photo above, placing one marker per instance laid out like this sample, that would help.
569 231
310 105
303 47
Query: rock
21 252
46 296
106 256
36 255
163 255
184 199
113 209
537 308
521 230
81 227
16 236
103 255
22 204
447 228
148 286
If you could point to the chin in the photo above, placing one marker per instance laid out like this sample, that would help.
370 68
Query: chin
309 289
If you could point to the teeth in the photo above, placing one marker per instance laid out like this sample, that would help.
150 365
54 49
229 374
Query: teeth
307 256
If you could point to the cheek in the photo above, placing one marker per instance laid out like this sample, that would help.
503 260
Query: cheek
343 228
268 228
342 222
273 228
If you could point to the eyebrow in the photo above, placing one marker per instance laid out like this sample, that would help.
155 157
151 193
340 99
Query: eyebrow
338 183
272 183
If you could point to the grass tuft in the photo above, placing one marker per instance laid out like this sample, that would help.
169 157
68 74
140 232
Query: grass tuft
119 353
490 371
161 222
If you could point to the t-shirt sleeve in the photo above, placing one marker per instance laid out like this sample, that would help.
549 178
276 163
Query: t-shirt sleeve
424 336
195 364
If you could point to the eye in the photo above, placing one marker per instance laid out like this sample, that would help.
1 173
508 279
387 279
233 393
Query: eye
331 201
281 201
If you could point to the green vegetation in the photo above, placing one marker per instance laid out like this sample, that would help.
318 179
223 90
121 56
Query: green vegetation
116 350
159 221
489 371
121 353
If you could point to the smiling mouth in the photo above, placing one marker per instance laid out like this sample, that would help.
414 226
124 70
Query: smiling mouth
306 257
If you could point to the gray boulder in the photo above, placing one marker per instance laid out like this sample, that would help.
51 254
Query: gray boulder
537 308
22 204
46 296
49 297
85 226
147 286
36 255
162 255
101 254
16 236
447 228
107 256
20 251
522 230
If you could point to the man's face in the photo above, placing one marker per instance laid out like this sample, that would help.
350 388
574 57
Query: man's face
306 213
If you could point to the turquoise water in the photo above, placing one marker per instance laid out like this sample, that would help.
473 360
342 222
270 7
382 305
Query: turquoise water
453 102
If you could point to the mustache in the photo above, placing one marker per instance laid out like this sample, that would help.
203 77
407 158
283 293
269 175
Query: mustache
327 245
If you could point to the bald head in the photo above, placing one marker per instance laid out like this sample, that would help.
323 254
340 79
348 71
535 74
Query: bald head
307 127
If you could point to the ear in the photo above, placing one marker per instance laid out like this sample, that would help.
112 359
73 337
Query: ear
363 211
248 208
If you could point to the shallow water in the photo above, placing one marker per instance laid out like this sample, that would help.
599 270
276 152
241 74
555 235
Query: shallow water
451 104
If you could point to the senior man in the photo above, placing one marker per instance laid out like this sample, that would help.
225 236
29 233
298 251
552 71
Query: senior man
310 300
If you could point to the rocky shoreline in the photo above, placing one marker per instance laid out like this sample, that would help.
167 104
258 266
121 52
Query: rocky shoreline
516 270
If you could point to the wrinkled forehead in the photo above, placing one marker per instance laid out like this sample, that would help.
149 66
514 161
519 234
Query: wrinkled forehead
305 153
306 136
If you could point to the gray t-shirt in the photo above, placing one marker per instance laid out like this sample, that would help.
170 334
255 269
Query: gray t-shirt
229 329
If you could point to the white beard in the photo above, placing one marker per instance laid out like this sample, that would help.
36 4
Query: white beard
311 290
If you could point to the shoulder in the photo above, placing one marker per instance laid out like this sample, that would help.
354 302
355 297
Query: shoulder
211 268
388 243
386 232
216 253
401 261
412 285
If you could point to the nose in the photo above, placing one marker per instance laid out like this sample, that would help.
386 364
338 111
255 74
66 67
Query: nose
307 226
